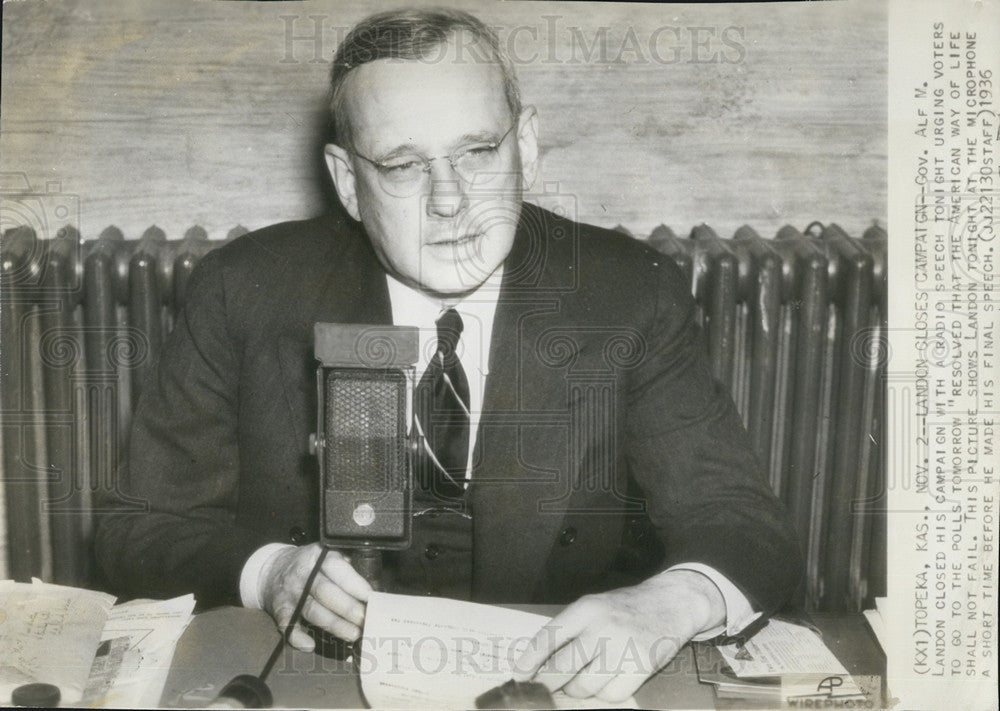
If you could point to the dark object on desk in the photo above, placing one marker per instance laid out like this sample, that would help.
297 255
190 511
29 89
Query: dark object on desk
517 695
38 696
249 691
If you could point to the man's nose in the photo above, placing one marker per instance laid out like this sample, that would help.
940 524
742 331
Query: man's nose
447 197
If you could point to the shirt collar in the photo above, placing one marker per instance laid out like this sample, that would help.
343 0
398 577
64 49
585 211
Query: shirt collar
412 307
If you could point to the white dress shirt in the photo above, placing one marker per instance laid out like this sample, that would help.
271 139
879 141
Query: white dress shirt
411 307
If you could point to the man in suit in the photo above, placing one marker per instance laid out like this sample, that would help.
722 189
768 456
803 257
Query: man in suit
596 462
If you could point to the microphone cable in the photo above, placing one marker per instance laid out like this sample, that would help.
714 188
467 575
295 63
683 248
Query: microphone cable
252 691
296 614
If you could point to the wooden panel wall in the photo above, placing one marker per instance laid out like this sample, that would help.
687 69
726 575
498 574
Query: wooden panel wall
179 112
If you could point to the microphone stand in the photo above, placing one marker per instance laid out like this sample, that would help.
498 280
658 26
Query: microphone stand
368 563
343 346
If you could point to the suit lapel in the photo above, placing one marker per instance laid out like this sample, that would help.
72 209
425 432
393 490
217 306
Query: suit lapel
523 437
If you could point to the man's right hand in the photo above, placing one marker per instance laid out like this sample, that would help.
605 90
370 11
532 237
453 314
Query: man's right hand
336 602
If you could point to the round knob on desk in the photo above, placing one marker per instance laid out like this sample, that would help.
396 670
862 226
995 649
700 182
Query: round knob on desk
39 696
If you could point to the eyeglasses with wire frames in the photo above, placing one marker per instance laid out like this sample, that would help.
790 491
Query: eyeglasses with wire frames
402 175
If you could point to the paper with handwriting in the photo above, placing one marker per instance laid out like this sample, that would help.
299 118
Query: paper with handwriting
48 633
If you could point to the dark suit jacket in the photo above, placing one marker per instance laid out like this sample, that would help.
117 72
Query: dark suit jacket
600 415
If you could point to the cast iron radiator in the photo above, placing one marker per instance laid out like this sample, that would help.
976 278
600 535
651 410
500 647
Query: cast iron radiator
796 328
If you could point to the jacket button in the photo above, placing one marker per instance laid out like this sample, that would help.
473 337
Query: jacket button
296 535
567 536
431 551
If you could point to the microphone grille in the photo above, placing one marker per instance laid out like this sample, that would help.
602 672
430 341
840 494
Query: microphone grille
365 428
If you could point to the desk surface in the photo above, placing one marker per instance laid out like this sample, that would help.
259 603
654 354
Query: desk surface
223 643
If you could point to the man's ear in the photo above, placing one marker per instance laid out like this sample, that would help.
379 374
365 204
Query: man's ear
338 163
527 142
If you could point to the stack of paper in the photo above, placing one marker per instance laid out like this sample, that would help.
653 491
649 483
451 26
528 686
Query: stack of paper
137 646
782 661
431 652
48 633
98 655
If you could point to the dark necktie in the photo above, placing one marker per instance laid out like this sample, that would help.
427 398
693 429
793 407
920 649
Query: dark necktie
442 408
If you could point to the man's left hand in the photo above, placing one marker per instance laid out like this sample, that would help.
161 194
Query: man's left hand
606 645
